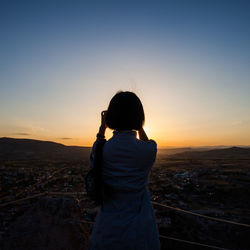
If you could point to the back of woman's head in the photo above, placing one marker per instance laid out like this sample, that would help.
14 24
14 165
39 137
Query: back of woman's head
125 112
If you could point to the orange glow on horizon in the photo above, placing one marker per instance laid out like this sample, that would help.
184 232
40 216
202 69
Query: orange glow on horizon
170 134
162 142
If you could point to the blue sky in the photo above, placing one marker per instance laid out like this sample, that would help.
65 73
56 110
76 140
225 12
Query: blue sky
188 61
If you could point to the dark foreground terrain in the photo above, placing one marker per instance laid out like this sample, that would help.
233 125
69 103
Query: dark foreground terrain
54 212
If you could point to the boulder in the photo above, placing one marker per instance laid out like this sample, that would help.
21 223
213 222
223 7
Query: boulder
52 223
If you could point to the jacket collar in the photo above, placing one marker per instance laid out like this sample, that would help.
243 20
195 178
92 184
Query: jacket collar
124 132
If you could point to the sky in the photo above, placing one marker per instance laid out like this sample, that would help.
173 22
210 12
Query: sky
188 61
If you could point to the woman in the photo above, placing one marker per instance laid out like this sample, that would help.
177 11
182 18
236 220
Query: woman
126 219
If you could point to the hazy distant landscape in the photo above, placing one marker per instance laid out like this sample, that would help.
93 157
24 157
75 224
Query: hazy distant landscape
23 149
207 181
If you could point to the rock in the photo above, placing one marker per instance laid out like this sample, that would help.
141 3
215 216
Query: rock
164 222
185 174
171 196
52 223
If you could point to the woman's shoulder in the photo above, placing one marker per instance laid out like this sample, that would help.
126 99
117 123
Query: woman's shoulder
147 145
147 150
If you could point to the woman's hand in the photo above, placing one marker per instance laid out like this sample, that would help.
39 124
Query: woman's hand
142 135
103 120
103 126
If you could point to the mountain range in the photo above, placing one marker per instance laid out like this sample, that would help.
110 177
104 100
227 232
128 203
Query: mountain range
28 149
236 153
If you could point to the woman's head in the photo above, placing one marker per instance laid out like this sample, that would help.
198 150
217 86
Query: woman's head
125 112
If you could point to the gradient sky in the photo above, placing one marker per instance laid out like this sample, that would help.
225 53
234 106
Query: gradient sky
188 61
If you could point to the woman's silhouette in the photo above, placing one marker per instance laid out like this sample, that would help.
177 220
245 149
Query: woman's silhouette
126 219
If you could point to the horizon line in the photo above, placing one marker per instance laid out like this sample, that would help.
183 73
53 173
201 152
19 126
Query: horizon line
159 147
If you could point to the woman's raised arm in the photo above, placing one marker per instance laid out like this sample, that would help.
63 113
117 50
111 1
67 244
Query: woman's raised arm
142 135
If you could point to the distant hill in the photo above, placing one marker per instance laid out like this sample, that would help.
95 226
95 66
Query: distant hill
170 151
27 149
226 153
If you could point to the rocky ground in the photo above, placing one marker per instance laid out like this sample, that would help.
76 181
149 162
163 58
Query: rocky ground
51 223
218 188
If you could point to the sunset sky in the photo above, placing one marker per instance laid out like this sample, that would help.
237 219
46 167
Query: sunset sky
188 61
